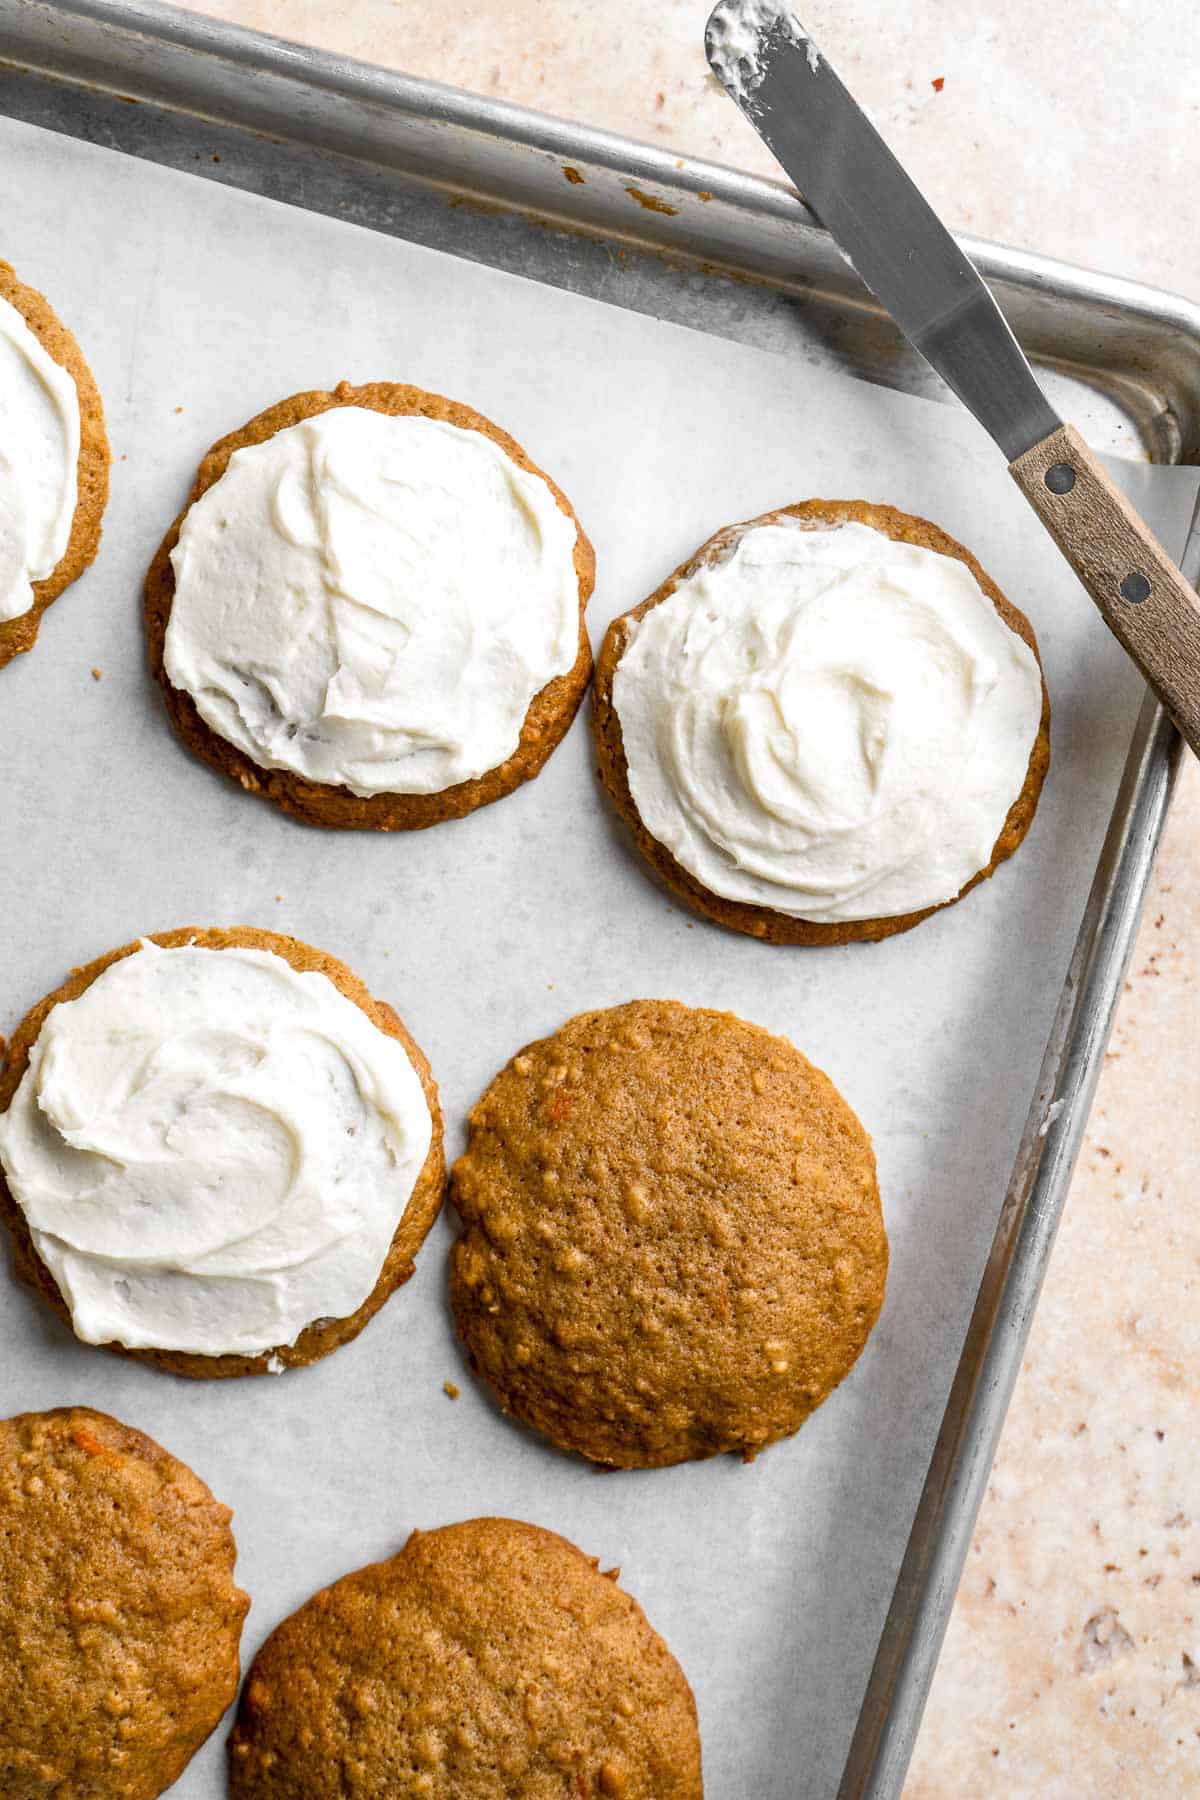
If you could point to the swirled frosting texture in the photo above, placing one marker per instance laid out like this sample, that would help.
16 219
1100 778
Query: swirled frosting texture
39 453
212 1150
372 601
827 723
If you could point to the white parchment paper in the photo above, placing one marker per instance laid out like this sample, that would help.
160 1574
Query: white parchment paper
197 306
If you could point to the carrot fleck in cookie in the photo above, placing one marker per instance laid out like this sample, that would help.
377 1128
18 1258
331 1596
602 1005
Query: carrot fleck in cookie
371 610
54 461
217 1152
119 1617
825 725
672 1242
488 1658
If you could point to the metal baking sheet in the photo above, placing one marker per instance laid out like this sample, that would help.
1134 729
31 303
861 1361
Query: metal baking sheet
491 931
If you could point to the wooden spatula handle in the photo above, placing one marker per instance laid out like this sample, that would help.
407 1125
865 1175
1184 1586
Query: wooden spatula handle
1145 601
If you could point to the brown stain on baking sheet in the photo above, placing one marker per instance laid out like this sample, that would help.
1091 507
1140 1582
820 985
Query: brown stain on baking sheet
490 209
651 202
572 175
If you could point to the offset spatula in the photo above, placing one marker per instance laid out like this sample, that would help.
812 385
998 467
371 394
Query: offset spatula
766 61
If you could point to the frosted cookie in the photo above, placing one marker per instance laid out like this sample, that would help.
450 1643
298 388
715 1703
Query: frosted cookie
371 610
119 1617
217 1152
487 1659
672 1242
53 462
825 725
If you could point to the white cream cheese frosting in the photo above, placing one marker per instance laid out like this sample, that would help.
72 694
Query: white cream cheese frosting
827 723
373 601
39 455
212 1150
735 38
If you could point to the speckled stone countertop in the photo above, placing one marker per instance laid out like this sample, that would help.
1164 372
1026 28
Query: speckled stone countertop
1072 1664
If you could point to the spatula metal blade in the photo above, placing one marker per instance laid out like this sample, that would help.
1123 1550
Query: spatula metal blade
769 65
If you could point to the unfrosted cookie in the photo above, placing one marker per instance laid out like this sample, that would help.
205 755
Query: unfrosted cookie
825 725
264 1135
371 610
119 1617
672 1242
489 1659
54 471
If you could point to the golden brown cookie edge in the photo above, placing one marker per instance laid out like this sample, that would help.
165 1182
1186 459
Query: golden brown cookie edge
764 922
610 1454
115 1436
285 1646
551 711
20 634
420 1212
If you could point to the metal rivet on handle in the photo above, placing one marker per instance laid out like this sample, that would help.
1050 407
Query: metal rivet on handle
1060 478
1135 588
